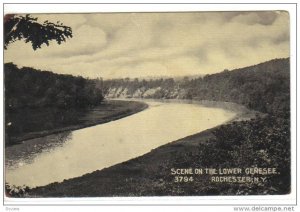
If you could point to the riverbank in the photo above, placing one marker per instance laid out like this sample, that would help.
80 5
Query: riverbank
107 144
234 144
45 122
224 146
242 112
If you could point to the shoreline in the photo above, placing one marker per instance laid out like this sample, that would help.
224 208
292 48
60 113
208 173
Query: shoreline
115 175
112 117
242 112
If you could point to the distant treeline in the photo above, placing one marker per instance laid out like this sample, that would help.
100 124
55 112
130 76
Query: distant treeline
264 87
28 87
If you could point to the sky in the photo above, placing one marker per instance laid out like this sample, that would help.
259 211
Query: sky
118 45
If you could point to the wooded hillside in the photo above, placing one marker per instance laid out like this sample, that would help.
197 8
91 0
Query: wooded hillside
28 87
264 87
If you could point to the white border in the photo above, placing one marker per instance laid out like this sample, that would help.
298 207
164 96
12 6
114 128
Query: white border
215 200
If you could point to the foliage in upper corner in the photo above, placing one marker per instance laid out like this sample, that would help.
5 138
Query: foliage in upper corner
26 27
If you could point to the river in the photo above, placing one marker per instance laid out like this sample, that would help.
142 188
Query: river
72 154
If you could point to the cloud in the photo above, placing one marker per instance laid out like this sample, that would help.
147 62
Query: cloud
74 21
86 40
113 45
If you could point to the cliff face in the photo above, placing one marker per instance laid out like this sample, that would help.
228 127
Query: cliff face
143 92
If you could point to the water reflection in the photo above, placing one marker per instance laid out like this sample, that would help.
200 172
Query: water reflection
24 153
21 123
104 145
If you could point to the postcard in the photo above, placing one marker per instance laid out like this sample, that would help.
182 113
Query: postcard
147 104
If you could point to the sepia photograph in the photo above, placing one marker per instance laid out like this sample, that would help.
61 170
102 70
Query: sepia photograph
147 104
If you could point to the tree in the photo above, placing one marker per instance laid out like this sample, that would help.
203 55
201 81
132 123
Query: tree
27 28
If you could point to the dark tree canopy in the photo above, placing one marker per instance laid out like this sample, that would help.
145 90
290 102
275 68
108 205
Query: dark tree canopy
31 88
17 27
